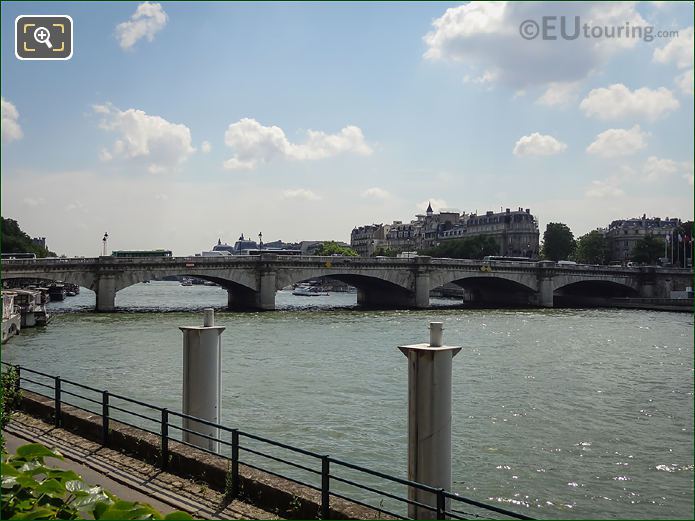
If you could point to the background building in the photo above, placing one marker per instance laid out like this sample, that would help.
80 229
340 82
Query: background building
365 240
623 234
516 232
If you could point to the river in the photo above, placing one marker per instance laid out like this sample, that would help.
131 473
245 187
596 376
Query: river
563 413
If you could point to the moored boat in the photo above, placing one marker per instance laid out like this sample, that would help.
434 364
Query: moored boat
307 290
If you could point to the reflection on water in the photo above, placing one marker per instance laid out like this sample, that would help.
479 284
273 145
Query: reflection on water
558 413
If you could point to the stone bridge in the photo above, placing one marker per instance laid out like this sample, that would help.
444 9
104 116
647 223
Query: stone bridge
251 281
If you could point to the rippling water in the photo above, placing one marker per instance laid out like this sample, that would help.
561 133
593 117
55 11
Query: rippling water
557 413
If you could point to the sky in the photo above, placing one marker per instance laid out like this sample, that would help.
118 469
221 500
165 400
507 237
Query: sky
175 124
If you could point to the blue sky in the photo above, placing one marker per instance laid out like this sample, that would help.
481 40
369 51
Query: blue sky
177 123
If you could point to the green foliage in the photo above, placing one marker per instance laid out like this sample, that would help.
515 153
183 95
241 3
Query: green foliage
10 399
333 248
468 248
384 252
558 242
647 250
32 490
592 248
14 240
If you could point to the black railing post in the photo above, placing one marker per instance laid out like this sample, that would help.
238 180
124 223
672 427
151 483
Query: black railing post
105 418
165 439
235 463
325 487
56 387
17 383
441 504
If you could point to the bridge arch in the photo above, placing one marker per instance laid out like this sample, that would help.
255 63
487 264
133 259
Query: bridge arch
373 290
238 279
482 288
585 291
82 279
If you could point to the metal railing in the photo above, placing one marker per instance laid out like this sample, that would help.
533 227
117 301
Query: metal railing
331 477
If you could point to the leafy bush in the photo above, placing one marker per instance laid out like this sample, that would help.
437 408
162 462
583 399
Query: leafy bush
31 490
9 399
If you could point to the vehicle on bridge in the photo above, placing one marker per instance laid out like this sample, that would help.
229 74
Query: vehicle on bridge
506 259
8 256
129 254
270 250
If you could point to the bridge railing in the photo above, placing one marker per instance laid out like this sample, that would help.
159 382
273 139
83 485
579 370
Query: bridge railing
331 477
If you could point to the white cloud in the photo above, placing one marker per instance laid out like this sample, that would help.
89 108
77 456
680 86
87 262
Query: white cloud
618 102
300 193
485 36
161 144
679 50
147 21
559 94
656 169
376 193
602 189
205 147
616 142
34 201
76 206
255 144
11 130
685 82
538 145
484 78
161 197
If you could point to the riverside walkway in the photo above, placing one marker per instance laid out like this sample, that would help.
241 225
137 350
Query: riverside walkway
129 478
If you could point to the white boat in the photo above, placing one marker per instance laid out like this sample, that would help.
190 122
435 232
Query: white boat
11 319
306 290
186 282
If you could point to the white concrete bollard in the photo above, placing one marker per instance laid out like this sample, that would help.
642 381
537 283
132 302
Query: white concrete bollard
429 419
202 350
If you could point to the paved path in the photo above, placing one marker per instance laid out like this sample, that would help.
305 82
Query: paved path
127 477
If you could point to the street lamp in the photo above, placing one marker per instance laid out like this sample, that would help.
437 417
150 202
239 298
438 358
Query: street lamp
260 241
106 236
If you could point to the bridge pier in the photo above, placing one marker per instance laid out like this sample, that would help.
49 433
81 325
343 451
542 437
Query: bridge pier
106 293
239 298
422 290
544 297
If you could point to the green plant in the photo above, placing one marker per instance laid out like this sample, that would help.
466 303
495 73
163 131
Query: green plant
228 484
294 505
10 398
32 490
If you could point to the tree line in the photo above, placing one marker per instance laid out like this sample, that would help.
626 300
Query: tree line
593 247
14 240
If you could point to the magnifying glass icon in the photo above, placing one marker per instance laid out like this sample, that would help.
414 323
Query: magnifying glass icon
43 35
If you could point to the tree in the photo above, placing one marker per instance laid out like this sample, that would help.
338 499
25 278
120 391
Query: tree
14 240
384 252
592 248
468 248
647 250
333 248
558 242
